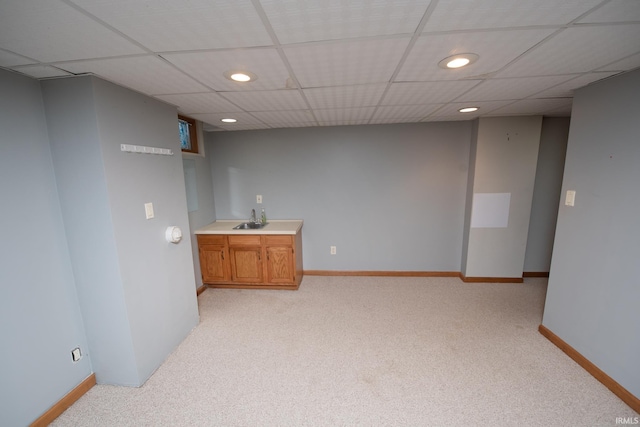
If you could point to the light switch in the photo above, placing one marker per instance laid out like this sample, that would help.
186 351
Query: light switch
76 354
148 209
259 198
570 200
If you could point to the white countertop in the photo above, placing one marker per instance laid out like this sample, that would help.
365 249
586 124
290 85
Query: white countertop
278 226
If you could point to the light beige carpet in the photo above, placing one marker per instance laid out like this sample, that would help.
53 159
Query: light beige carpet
364 351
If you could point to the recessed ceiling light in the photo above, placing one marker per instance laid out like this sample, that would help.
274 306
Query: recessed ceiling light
454 63
468 109
240 76
457 61
228 120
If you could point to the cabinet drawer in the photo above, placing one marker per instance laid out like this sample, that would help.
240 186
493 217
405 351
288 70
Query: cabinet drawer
235 240
211 239
278 240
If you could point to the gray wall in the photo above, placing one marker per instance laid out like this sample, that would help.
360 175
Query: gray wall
468 203
390 197
505 162
546 194
157 276
593 294
80 176
136 291
204 202
40 320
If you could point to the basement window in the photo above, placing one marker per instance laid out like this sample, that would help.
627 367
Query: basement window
188 135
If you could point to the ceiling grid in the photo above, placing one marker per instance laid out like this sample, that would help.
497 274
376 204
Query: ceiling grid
329 63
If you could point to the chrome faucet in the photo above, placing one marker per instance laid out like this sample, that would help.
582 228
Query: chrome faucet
253 215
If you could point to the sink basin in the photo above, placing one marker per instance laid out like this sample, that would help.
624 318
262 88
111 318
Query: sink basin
249 226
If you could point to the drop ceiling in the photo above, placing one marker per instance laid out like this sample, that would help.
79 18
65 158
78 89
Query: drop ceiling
329 62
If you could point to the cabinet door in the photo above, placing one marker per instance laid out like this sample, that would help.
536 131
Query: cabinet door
246 265
214 263
280 265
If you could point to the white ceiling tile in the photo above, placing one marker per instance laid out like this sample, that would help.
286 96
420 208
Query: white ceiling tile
532 106
344 115
50 31
269 100
426 92
495 48
578 50
165 25
209 68
448 118
296 21
293 124
629 63
344 123
389 114
484 107
214 118
533 55
376 121
482 14
565 90
8 59
286 118
349 62
193 103
505 89
245 121
345 96
41 71
147 74
615 11
243 126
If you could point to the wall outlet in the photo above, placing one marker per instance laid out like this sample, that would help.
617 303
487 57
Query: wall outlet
76 354
259 199
333 250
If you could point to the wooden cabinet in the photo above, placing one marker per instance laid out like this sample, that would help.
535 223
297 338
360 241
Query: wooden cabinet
280 259
214 259
251 261
246 258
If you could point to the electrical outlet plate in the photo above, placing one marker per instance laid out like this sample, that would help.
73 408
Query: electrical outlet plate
333 250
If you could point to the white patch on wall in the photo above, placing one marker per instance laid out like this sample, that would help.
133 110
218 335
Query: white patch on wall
490 210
